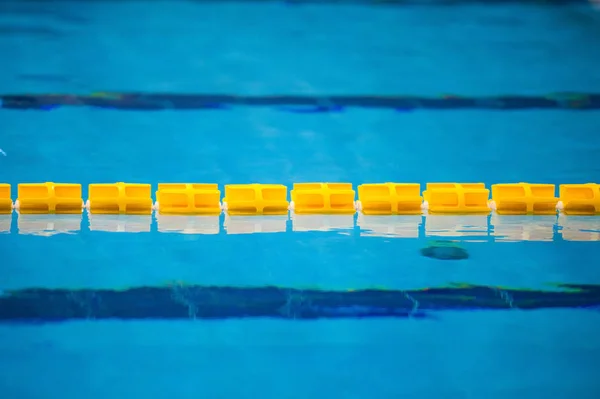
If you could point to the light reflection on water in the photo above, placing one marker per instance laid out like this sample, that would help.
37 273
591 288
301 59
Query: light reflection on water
463 227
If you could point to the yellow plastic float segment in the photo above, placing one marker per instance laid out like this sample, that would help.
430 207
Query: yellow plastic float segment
5 200
524 199
457 198
188 199
256 199
390 198
39 198
323 198
115 198
580 199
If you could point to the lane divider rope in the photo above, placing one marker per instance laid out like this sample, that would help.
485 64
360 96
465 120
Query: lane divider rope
305 198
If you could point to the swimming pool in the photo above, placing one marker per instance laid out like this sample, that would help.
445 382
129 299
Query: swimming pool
261 49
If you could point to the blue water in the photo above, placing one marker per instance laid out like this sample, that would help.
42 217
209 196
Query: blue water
264 48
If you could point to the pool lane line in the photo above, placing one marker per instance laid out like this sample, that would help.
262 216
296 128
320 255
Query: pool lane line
391 3
298 103
180 301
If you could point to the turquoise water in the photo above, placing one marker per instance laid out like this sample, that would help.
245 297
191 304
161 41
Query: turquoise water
265 48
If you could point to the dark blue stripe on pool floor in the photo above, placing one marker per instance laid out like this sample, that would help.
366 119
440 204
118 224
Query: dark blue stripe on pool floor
363 2
208 302
299 103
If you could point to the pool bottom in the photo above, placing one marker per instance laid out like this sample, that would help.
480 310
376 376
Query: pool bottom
546 353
